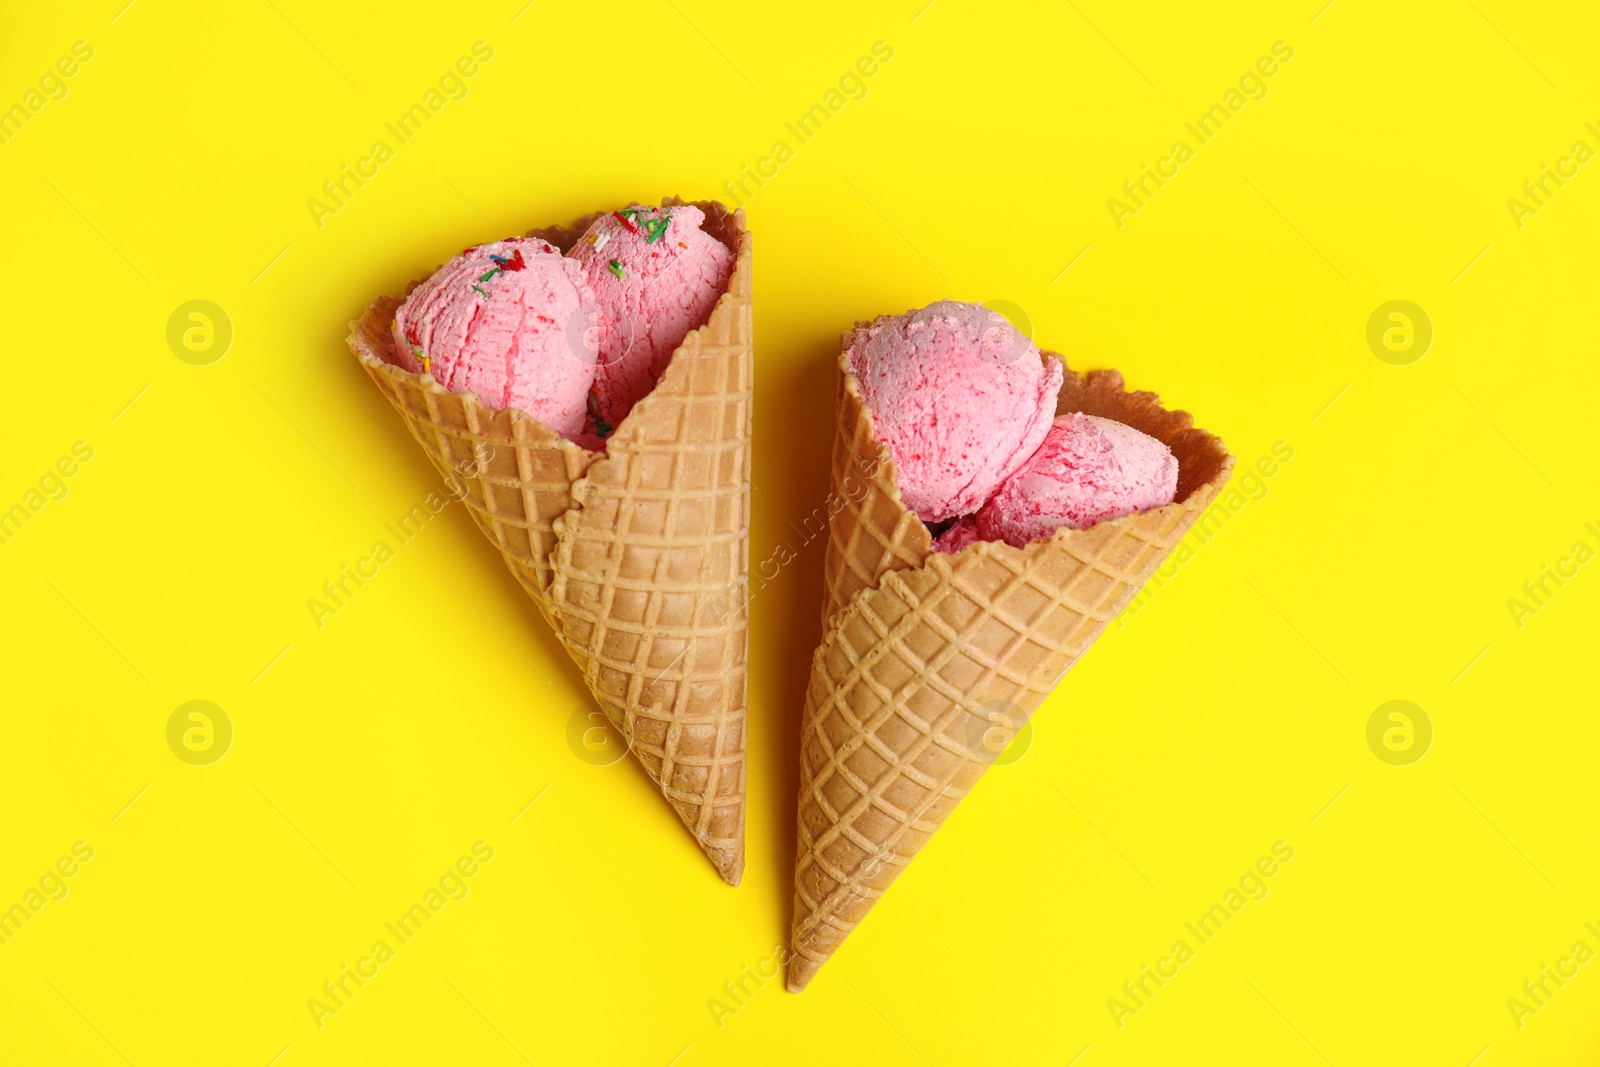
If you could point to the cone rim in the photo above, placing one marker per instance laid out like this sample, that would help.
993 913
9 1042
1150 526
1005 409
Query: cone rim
1112 378
376 319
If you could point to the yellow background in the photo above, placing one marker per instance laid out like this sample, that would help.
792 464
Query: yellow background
1222 717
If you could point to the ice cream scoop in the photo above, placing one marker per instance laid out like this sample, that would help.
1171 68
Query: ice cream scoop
508 321
961 533
1087 470
656 275
959 396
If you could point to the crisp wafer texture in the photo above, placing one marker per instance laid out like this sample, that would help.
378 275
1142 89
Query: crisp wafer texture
638 556
924 653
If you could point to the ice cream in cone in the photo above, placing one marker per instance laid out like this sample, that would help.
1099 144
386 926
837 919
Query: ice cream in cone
924 653
630 536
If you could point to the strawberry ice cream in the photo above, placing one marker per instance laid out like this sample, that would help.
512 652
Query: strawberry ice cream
961 533
656 275
960 398
506 321
1088 470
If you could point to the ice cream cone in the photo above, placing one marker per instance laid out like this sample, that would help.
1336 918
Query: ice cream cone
923 652
637 556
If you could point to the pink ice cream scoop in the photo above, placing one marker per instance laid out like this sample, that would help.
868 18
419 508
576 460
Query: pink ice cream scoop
656 275
509 322
1088 470
961 533
960 398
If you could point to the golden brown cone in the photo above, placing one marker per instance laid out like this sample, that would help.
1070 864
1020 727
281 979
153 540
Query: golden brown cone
637 556
920 648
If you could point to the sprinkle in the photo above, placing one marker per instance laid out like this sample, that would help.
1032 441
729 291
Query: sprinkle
416 348
656 228
599 240
602 428
516 262
490 274
620 217
616 268
480 292
682 245
591 239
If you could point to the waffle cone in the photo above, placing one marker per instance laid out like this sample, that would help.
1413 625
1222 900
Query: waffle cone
921 648
637 556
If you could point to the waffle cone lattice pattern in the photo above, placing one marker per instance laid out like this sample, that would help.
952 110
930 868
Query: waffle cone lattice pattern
637 556
919 646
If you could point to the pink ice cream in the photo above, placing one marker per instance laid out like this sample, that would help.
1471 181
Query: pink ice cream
505 321
961 533
960 398
1088 470
656 275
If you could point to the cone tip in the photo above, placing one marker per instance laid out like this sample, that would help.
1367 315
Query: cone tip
728 862
801 971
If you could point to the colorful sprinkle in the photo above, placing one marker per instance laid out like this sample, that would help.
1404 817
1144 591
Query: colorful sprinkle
602 428
599 240
416 349
480 292
682 245
616 268
620 217
656 228
516 261
490 273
